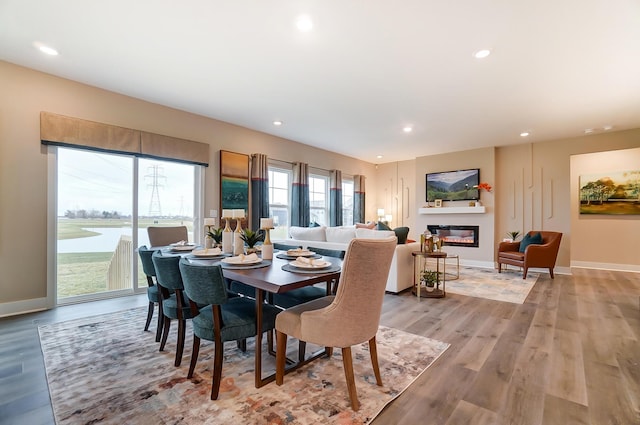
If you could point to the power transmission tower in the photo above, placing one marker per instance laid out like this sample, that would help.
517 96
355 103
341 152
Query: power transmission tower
155 209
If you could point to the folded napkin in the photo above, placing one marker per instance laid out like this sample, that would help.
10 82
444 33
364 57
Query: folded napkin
212 251
297 251
310 261
244 258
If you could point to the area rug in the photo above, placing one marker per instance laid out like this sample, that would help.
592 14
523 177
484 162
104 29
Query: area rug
105 369
488 283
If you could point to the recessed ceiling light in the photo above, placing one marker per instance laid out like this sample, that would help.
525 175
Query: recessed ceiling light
588 130
304 23
481 54
379 156
46 49
524 134
607 127
276 123
407 129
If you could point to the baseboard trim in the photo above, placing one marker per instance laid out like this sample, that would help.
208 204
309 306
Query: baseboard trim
606 266
23 307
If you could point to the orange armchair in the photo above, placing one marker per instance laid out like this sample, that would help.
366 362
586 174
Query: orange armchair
535 255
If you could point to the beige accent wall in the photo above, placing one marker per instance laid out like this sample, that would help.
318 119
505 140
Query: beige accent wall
396 194
603 241
23 163
484 159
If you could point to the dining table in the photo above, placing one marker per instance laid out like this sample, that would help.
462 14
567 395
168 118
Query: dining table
274 276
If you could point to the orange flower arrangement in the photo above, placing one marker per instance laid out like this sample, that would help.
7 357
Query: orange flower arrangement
483 186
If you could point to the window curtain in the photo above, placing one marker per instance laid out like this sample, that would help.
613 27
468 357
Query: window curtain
300 195
335 198
358 199
259 189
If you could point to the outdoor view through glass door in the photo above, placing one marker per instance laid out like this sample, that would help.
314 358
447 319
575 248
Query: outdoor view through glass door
101 200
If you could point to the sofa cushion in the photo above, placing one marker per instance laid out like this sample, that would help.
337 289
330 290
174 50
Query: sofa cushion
308 233
373 234
340 234
530 239
401 234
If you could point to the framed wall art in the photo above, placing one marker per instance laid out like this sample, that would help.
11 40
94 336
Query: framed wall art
612 193
234 181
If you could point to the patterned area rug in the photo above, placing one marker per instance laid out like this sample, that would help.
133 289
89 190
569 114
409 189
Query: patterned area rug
105 369
488 283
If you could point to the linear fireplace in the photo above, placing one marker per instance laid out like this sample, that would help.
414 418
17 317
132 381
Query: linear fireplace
457 235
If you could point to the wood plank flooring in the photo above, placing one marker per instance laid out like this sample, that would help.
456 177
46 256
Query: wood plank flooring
569 355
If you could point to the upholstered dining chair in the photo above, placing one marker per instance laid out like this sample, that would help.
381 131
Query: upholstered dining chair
174 303
153 290
223 317
163 236
350 317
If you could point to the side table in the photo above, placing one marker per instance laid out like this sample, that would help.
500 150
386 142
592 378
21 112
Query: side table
419 260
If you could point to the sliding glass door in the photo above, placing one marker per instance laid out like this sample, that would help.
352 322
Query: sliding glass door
105 202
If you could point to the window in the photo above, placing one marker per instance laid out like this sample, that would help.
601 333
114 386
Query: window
105 203
318 199
347 202
279 204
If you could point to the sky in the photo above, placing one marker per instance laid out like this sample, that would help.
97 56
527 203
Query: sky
94 180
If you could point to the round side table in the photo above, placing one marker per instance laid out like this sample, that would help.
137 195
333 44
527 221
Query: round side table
419 260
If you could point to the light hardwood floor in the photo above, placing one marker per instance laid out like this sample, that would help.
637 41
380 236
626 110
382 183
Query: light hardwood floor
569 355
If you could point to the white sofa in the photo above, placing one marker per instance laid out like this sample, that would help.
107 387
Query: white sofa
401 272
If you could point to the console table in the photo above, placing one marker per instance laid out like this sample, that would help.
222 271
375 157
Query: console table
419 264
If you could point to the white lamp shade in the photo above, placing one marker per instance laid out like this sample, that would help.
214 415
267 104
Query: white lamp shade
380 212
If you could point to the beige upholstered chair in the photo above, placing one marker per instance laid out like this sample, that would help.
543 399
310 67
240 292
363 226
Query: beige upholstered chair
163 236
350 317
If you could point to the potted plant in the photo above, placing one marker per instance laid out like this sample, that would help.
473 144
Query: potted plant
513 235
216 235
251 238
430 279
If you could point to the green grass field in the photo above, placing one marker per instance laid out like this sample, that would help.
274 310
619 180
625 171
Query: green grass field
86 273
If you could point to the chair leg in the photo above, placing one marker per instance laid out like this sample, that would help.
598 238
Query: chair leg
160 322
551 272
242 344
524 275
499 267
281 356
182 325
217 369
302 349
347 362
149 315
270 349
328 351
194 356
373 351
165 332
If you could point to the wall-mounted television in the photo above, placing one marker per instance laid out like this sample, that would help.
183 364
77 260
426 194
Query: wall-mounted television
453 185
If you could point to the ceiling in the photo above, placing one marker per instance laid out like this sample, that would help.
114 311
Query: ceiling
365 71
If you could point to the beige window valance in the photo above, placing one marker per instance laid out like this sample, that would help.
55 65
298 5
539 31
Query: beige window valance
75 132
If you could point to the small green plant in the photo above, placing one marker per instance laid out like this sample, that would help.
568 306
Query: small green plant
430 278
215 234
251 238
513 235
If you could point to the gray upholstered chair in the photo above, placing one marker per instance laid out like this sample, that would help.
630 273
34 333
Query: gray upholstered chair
153 291
223 318
163 236
350 317
174 303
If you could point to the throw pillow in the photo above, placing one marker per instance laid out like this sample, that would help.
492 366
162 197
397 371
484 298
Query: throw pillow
340 234
368 225
374 234
401 234
530 239
381 226
314 224
308 233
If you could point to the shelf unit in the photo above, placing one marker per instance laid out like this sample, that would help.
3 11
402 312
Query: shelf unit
452 210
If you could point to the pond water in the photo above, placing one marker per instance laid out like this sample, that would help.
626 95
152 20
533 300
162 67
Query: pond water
106 241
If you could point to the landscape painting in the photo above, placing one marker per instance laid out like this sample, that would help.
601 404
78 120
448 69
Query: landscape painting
234 181
616 193
460 185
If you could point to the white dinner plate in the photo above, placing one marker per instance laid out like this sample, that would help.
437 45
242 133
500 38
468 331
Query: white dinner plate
183 247
317 264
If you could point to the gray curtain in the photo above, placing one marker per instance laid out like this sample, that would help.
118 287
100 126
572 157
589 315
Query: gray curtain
259 189
358 199
300 208
335 198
